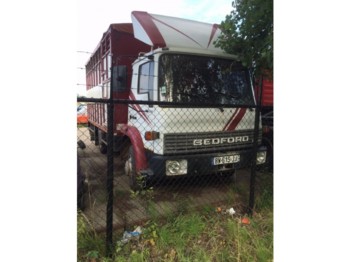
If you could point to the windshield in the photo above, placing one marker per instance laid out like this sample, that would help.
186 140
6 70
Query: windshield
198 79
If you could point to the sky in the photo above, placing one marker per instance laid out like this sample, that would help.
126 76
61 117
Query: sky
94 18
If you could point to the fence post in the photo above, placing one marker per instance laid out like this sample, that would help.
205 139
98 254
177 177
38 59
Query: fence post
255 148
110 171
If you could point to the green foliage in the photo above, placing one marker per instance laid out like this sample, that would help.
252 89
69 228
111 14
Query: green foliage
191 236
248 33
181 231
139 256
264 198
90 245
143 193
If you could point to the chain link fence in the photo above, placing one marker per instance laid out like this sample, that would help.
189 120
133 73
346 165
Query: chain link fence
130 174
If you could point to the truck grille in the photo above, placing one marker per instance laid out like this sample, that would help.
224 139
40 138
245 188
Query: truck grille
208 142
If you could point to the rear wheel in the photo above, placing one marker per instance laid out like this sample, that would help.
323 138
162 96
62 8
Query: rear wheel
103 147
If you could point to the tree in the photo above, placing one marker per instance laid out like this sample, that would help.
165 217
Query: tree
248 33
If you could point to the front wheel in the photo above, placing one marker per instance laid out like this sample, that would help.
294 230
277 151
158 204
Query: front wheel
136 181
269 154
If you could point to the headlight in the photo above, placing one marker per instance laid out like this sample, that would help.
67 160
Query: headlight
261 157
176 167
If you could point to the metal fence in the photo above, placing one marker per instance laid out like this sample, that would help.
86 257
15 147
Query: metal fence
106 191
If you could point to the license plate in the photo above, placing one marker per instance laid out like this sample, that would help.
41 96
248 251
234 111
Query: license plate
221 160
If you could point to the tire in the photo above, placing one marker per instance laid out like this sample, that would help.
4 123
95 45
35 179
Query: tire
136 182
124 152
103 147
81 144
269 154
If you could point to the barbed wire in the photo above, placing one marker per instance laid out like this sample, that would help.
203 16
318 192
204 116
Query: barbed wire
102 85
86 52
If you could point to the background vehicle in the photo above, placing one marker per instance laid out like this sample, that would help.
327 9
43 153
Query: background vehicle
167 59
82 117
267 119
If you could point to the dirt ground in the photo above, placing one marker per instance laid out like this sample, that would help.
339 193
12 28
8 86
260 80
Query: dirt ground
165 199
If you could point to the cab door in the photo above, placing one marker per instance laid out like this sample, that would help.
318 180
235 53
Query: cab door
140 114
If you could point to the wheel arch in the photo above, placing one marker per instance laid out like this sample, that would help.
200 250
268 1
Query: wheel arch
137 143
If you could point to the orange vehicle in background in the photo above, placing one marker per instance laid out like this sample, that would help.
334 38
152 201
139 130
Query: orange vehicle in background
82 114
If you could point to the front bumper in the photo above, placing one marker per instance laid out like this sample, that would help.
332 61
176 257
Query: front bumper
199 164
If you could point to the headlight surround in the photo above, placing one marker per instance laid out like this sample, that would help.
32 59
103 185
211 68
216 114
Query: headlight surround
261 157
176 167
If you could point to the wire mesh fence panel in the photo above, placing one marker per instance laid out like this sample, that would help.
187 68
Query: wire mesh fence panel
193 160
93 170
169 129
167 160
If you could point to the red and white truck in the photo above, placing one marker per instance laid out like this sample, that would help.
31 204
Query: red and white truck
166 59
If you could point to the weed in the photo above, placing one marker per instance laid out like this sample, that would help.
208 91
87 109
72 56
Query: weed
90 245
92 254
151 209
198 237
264 199
232 195
139 256
151 230
183 205
145 194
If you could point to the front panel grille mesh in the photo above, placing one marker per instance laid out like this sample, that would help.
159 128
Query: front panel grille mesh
208 142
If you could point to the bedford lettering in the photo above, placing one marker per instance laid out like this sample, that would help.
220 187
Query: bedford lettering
222 140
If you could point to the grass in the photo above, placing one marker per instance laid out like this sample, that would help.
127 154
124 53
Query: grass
90 244
198 236
82 125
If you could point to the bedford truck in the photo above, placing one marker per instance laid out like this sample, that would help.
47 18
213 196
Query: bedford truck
167 59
